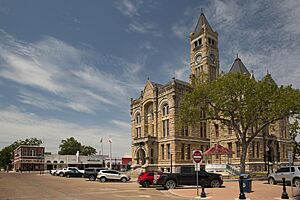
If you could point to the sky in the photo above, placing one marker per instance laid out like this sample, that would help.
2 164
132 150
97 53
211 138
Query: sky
69 68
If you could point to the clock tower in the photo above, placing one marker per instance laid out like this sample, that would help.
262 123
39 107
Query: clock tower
204 52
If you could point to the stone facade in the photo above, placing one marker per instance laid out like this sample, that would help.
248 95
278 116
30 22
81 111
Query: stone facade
156 137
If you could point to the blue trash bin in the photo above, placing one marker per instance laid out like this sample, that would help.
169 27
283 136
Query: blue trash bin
247 182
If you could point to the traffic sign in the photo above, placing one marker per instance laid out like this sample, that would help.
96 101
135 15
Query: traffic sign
197 156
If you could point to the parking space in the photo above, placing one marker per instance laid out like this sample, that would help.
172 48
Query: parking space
36 186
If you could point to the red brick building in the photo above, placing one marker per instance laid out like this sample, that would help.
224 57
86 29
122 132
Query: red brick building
29 158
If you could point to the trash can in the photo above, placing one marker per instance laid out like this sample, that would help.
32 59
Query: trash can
247 182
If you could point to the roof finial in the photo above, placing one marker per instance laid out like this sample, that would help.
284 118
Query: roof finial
237 55
268 72
148 78
201 10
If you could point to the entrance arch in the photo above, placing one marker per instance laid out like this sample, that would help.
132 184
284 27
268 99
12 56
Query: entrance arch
140 156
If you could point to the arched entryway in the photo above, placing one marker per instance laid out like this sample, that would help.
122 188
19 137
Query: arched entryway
140 157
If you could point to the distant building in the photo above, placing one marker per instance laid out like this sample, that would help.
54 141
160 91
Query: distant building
29 158
56 161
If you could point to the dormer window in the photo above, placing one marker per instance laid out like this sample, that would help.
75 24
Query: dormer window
196 43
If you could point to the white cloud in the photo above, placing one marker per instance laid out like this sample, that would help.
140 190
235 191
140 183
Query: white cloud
122 124
66 73
19 125
144 27
128 8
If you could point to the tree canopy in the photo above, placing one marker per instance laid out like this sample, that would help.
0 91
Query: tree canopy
6 154
70 146
242 103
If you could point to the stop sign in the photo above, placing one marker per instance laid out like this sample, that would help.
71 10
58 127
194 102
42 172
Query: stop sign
197 156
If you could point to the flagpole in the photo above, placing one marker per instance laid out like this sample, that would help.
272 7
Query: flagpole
102 154
110 166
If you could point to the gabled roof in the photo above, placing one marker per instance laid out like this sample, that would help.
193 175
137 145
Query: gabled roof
201 21
239 67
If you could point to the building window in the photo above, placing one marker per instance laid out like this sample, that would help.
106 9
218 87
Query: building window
229 130
168 151
138 132
217 130
238 150
188 152
196 43
200 41
162 151
202 125
213 42
151 156
165 110
230 149
185 131
253 149
138 118
257 149
166 127
182 151
209 41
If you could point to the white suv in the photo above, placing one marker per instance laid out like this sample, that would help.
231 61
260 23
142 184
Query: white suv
105 175
284 172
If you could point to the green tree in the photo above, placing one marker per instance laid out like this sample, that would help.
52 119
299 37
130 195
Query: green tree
240 102
88 150
6 154
70 146
294 131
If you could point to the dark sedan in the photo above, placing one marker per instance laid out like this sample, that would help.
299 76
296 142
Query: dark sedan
73 173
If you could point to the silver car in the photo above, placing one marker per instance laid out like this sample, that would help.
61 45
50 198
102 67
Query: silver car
105 175
284 172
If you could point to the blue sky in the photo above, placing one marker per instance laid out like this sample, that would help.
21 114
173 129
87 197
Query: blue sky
69 68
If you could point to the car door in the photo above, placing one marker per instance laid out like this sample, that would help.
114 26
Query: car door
203 178
281 173
187 176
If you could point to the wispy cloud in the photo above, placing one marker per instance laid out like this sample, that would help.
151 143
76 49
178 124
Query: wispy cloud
144 27
19 125
122 124
127 7
72 78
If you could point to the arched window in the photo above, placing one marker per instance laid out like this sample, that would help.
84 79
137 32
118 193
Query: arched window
138 118
165 110
61 162
48 161
165 120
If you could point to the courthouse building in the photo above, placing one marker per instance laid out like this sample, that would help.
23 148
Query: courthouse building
156 137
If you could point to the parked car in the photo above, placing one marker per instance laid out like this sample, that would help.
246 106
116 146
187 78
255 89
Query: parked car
62 172
145 179
105 175
73 173
91 172
53 172
284 172
187 176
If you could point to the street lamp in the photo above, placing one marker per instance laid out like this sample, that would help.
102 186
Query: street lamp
171 163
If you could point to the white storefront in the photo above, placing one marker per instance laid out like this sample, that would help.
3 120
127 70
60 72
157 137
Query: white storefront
82 162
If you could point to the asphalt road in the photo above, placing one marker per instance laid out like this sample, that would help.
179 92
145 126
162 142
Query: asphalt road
36 186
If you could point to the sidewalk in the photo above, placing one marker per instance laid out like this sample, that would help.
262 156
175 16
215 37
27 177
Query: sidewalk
260 191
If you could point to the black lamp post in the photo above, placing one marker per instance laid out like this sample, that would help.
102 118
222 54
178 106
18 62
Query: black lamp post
171 163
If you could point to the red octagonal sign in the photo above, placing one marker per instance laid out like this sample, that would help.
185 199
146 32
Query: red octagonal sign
197 156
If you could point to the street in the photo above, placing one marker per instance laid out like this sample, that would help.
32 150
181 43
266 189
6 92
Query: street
45 186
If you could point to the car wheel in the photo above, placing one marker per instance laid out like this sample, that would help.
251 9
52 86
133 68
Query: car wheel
123 179
146 184
297 182
102 179
271 181
170 184
61 174
215 183
92 178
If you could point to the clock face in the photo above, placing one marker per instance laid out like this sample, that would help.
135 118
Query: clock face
198 59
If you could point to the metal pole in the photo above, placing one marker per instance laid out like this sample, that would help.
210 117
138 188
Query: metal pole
284 194
110 166
171 164
102 154
197 182
291 179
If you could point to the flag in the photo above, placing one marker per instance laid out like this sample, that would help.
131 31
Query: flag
101 140
110 140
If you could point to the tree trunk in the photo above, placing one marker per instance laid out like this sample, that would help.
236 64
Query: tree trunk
243 157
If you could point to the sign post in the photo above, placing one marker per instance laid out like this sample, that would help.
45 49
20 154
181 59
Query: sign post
290 157
197 159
